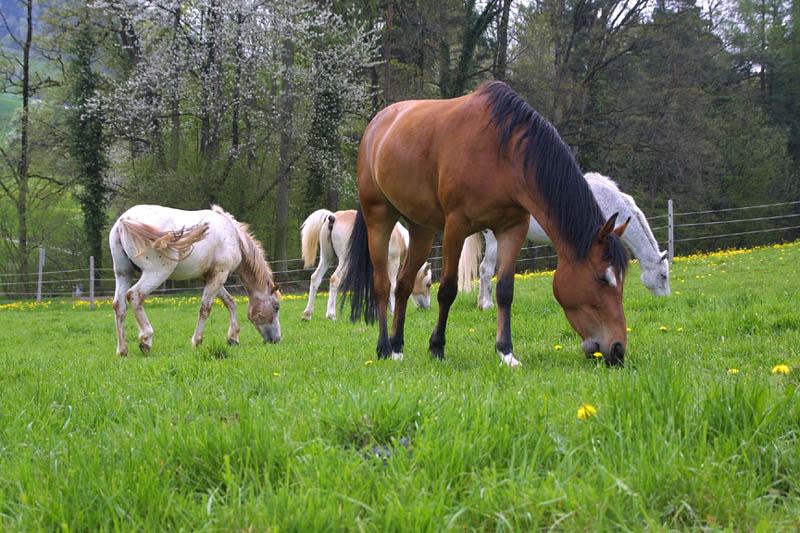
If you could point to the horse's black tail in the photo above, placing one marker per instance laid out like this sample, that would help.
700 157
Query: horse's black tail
357 278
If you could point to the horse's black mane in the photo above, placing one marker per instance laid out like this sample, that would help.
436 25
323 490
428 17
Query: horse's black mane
550 167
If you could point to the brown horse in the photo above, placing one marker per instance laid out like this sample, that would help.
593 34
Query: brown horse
485 160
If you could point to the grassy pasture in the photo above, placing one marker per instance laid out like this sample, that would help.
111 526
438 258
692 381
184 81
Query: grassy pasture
312 434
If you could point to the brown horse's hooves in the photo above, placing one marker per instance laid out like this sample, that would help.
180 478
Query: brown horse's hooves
233 342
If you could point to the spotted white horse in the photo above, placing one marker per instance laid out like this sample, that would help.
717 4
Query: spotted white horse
164 243
331 233
638 237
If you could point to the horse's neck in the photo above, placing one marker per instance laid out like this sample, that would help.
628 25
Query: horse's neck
638 236
253 268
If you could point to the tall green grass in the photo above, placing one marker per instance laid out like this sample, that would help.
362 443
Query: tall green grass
314 434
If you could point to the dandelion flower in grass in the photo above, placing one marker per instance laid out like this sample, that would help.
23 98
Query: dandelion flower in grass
276 374
368 362
597 355
586 411
628 330
781 369
663 328
557 347
733 371
680 329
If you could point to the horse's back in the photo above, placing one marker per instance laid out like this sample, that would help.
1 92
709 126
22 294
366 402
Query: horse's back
218 249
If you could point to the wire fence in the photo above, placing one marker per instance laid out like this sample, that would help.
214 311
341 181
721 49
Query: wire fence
684 232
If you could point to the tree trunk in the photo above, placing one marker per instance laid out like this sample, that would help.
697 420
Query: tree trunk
501 64
24 163
387 52
285 163
175 104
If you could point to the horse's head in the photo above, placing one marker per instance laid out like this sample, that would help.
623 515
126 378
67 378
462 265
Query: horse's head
421 294
262 310
590 291
655 276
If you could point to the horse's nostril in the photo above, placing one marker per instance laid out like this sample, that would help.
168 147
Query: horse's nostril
617 349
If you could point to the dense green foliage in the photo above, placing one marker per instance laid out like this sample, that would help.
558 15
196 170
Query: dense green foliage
312 434
260 107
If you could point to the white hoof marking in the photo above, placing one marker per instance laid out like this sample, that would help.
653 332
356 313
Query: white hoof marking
509 360
397 356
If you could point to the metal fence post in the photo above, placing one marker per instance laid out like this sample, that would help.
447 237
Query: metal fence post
670 234
91 282
39 280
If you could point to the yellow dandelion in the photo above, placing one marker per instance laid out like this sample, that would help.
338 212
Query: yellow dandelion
663 328
472 330
680 329
597 355
586 411
276 374
781 369
733 371
557 347
368 362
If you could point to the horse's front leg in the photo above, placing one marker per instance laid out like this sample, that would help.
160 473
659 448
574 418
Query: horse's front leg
233 328
509 242
420 243
487 270
148 282
455 231
214 283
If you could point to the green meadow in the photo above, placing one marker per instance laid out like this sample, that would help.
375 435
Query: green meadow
314 434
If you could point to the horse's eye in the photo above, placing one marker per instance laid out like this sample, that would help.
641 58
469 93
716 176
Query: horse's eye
602 280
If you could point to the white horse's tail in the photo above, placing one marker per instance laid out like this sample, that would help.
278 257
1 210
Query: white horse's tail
310 231
174 244
468 263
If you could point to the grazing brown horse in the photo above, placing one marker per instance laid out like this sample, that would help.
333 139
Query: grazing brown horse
485 160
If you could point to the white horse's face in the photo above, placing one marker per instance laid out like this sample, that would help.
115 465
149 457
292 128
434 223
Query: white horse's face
421 294
656 277
263 311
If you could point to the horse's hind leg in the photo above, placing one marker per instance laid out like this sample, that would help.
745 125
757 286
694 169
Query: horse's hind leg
123 282
233 328
420 243
487 270
455 231
333 290
149 281
380 219
123 275
509 242
316 278
213 284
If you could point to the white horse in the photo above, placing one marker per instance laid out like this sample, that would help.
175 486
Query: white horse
639 238
165 243
331 232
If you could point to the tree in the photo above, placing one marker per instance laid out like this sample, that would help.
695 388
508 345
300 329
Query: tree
87 140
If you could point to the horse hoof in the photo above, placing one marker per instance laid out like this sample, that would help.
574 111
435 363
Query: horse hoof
233 342
122 353
331 317
306 317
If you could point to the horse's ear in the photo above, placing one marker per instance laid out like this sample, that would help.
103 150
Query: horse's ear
619 230
608 227
663 257
427 267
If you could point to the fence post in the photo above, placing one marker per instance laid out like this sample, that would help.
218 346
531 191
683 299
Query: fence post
91 282
670 234
39 279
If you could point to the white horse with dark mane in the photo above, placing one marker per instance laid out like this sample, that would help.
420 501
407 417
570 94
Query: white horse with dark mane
638 237
165 243
331 232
